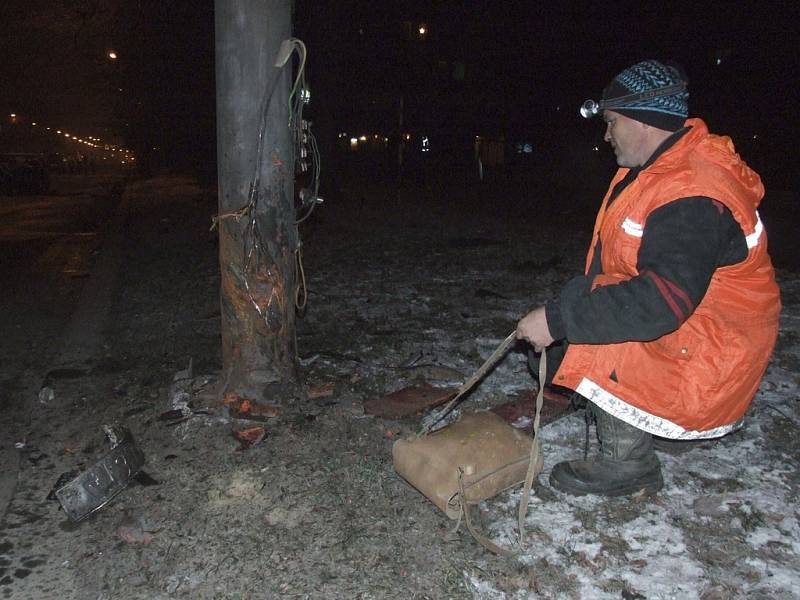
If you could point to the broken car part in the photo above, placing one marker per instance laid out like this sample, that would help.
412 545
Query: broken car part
96 486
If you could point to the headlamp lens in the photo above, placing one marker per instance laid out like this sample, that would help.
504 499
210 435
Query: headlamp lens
589 109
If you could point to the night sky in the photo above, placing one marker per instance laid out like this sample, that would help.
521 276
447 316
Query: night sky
490 68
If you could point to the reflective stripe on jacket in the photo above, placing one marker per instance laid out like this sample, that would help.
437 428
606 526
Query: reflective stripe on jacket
699 380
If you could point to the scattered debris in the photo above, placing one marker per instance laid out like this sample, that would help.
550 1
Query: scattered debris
183 396
308 361
96 486
408 401
131 530
244 408
321 391
250 436
173 417
115 435
144 479
180 396
61 481
46 395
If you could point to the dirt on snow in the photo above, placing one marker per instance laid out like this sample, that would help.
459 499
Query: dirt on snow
401 291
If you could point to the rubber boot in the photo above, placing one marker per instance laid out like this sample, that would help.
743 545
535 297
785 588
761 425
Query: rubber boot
678 447
627 463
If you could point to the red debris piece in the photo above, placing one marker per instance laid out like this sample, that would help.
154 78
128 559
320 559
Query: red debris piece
408 401
250 436
321 391
555 405
130 530
243 408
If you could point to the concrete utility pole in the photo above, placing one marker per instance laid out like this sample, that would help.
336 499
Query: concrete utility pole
256 250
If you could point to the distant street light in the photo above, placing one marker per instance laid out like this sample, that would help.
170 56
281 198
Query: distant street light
112 55
13 115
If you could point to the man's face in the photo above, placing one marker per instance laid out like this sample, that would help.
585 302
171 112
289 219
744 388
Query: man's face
627 138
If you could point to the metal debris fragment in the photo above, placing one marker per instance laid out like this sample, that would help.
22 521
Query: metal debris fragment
95 487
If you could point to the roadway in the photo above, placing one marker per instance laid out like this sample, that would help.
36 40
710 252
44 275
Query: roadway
49 245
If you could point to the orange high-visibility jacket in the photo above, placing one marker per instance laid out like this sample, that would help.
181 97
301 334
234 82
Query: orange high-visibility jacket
698 381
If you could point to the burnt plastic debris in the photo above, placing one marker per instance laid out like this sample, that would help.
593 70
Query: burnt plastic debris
99 484
61 481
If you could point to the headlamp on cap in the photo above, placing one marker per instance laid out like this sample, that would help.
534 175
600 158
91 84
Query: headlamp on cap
590 108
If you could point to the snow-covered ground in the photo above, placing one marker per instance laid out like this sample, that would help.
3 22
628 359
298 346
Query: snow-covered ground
450 284
419 288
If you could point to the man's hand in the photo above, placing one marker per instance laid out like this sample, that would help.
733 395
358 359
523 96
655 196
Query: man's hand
533 329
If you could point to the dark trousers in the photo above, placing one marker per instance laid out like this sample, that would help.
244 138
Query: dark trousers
555 354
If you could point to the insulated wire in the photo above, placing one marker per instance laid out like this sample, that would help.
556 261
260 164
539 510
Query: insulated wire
253 244
296 102
251 240
302 51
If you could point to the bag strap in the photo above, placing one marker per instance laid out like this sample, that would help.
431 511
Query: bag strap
535 464
499 353
464 510
537 459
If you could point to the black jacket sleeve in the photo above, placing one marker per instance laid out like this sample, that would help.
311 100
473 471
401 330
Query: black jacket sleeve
682 245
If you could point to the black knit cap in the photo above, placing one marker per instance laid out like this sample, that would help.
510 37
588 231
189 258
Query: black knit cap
664 112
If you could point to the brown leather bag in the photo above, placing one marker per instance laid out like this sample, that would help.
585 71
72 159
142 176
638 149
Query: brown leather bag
474 459
481 449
